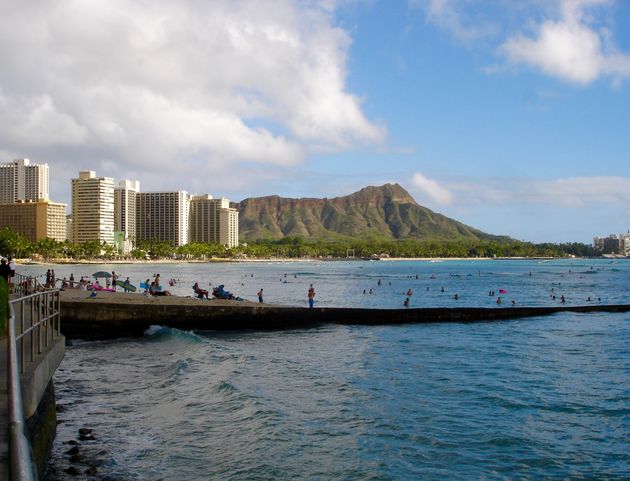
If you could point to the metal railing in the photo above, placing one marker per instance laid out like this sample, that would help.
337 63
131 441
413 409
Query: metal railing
37 324
25 285
43 312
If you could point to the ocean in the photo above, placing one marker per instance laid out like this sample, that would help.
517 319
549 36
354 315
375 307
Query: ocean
537 398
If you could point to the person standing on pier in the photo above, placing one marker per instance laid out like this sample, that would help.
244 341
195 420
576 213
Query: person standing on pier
311 296
260 295
5 270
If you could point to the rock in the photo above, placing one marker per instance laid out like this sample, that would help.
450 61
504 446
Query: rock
77 458
85 431
72 470
60 408
87 437
72 441
73 450
91 471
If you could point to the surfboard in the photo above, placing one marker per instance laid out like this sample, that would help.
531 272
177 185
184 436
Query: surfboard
129 287
144 285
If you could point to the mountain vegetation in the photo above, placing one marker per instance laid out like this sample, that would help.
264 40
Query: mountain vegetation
380 213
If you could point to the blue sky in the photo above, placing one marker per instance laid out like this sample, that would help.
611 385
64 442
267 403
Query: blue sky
512 117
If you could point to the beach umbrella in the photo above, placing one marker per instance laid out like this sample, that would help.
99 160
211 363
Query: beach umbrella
104 274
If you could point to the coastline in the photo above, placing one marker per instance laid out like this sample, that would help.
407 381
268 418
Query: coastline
275 260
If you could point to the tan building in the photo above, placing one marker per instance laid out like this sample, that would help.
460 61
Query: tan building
21 180
162 216
92 208
125 208
35 220
213 220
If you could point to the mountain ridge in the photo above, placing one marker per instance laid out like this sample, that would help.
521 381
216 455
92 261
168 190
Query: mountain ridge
374 212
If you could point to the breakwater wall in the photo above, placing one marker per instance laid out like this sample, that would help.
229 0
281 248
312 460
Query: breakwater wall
92 319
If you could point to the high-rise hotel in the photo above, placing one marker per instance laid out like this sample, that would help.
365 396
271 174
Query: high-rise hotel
213 220
125 209
21 180
162 216
24 202
92 208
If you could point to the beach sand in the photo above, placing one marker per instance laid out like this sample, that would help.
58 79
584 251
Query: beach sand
77 295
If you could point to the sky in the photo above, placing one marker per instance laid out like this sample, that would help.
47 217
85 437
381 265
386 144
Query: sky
510 116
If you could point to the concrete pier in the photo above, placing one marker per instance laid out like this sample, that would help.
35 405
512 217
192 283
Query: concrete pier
130 315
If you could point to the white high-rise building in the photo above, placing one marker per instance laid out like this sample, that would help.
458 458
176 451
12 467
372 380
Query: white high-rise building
213 220
162 216
125 208
21 180
92 208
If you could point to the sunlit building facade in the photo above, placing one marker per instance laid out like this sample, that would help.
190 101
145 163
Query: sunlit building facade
92 208
162 216
213 221
21 180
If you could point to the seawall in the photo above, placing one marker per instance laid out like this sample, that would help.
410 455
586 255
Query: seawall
122 315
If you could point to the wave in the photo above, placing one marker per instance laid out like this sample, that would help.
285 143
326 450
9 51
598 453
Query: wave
167 333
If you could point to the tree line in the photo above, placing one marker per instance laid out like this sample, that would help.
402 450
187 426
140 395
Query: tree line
16 245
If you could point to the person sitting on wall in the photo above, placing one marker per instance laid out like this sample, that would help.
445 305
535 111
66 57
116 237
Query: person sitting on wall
155 290
199 292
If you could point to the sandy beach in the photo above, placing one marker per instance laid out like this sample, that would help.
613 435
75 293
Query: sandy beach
106 297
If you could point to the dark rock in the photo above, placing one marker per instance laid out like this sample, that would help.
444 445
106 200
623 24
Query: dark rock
91 471
61 408
73 450
77 458
85 431
72 441
72 470
87 437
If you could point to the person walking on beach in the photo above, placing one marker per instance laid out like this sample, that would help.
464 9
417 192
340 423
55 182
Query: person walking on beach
311 296
260 295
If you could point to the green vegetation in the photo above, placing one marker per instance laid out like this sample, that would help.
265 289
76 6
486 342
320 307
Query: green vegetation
292 247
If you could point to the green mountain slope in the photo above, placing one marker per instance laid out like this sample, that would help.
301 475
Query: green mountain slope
385 212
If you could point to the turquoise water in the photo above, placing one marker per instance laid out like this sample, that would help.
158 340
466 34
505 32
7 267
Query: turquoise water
540 398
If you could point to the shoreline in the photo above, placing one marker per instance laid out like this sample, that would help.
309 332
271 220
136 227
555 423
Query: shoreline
288 260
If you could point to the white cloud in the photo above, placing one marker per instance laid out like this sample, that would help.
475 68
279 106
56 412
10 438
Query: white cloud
567 192
154 85
570 48
448 15
430 188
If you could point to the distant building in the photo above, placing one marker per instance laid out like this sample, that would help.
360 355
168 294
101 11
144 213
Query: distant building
613 244
162 216
125 212
213 220
626 244
21 180
92 208
35 219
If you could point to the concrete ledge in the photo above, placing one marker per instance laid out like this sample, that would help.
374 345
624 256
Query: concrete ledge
38 374
112 318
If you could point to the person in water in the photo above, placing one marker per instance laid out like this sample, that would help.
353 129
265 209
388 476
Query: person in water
406 302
